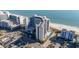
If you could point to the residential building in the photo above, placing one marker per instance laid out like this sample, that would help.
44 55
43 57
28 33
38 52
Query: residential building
67 35
3 15
38 26
7 24
18 19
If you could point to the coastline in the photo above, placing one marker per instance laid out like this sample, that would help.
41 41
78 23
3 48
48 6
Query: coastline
62 26
57 26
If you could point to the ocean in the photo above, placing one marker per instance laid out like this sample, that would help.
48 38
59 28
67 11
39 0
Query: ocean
66 17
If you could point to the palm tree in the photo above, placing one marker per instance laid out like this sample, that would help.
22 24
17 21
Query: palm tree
57 32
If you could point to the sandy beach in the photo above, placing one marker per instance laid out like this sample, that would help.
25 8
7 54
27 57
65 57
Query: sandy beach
62 26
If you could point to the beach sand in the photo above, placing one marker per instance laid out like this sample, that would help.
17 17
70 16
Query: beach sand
62 26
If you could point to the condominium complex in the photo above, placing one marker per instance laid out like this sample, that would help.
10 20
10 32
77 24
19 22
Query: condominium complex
17 19
7 24
38 26
10 21
36 31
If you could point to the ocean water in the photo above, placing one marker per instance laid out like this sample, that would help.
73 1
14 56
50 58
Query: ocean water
67 17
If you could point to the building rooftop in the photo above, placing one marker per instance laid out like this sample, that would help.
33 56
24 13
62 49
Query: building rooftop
9 22
67 35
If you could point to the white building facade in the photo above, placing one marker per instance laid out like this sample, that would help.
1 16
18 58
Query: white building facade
41 25
3 15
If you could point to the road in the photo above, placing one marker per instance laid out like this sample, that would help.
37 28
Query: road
45 44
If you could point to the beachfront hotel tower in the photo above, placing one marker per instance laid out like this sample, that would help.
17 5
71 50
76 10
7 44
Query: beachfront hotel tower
42 28
11 21
38 26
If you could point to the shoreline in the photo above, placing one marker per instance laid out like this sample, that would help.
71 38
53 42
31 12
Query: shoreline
62 26
56 25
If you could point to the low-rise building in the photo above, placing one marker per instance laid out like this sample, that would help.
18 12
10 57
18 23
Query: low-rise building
7 24
67 35
3 15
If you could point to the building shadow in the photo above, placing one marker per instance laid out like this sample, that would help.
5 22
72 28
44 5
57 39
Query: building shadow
61 41
18 28
56 40
22 41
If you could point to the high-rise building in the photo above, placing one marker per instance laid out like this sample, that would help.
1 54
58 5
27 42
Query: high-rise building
14 18
40 31
38 25
42 28
21 20
18 19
